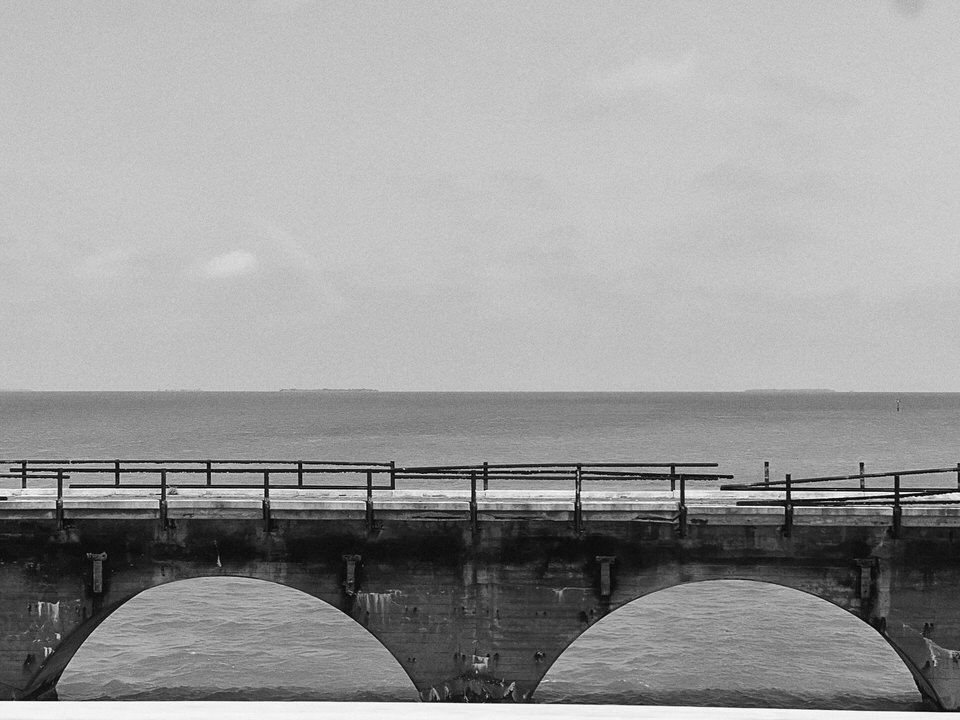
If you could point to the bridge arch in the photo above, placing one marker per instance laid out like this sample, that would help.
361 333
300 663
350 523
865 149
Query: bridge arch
269 621
731 641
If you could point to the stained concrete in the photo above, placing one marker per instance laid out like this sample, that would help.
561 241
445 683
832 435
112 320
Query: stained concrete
476 610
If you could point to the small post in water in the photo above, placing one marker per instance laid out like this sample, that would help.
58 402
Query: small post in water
116 473
862 479
393 475
209 473
766 472
23 473
300 474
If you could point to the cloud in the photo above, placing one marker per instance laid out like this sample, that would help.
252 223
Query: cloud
236 263
800 93
910 8
107 264
284 245
276 7
645 73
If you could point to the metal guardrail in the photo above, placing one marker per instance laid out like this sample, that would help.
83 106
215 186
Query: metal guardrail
566 472
213 474
891 493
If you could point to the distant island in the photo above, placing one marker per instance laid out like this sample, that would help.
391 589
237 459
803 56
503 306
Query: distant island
787 391
329 390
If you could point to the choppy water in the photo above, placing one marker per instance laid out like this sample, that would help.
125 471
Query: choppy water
724 643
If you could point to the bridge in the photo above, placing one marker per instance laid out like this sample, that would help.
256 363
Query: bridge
475 577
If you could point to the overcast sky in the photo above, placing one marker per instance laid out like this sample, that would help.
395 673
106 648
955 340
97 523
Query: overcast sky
480 195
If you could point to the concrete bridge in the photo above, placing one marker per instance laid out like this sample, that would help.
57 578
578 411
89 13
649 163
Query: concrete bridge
475 591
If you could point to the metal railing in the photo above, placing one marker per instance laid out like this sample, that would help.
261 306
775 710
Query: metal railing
891 493
577 473
217 474
27 470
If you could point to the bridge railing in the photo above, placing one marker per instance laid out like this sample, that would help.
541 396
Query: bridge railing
165 475
676 472
875 488
235 474
218 474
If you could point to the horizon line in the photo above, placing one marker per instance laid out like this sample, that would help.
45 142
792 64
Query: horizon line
320 391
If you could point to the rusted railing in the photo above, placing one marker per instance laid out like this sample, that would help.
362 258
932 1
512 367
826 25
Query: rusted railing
889 493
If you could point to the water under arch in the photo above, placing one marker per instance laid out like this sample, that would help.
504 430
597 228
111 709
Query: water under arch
736 643
232 638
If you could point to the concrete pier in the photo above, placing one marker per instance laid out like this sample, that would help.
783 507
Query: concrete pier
482 600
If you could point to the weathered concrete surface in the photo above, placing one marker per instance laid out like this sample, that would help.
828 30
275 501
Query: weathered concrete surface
468 612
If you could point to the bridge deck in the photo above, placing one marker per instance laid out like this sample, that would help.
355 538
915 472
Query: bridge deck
704 506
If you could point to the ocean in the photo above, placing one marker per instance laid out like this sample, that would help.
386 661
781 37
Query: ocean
726 643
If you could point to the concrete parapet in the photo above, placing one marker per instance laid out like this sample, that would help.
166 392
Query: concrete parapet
862 516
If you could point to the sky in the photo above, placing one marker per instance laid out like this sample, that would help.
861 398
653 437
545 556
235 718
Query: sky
413 195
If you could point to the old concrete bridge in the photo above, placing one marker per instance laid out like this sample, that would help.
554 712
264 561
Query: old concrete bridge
475 591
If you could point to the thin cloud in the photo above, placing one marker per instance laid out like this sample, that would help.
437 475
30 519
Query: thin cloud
800 93
107 264
284 251
237 263
644 74
910 8
284 245
277 7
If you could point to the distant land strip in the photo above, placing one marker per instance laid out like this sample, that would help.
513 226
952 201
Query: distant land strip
328 390
787 391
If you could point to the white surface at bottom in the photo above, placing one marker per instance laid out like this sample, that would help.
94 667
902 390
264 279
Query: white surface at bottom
400 711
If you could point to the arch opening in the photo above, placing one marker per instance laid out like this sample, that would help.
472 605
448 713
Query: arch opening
735 643
231 638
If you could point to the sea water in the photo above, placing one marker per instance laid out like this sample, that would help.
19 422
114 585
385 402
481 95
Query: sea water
721 643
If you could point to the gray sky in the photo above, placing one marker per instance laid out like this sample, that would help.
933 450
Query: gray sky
480 196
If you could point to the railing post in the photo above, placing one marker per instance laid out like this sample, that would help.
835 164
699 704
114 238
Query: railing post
897 510
788 510
59 499
23 474
369 504
766 472
474 525
393 475
266 501
863 484
486 475
673 478
682 518
300 474
163 499
577 506
209 473
958 476
116 473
